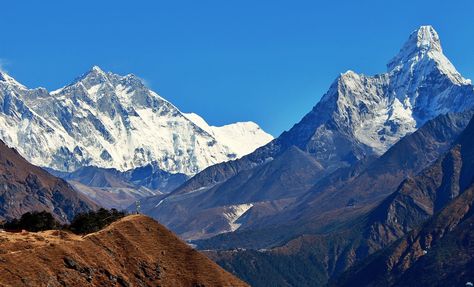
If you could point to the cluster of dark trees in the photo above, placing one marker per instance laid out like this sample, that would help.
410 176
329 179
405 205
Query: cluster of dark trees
92 221
83 223
33 221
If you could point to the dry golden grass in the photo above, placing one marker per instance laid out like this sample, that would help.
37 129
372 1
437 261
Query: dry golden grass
134 251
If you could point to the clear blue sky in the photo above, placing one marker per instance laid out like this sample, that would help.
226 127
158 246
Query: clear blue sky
265 61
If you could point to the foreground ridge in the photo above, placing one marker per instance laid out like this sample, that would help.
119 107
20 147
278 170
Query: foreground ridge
133 251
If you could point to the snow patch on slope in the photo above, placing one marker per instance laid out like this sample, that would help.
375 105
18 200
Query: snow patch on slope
234 212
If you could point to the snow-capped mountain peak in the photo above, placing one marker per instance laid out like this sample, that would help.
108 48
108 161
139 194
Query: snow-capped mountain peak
109 120
374 112
94 76
421 54
7 79
97 69
420 84
425 38
421 41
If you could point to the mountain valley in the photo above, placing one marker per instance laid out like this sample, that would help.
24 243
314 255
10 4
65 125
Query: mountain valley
374 186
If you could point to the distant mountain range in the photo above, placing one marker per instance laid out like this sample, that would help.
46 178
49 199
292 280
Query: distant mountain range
111 188
114 139
111 121
373 187
359 118
309 205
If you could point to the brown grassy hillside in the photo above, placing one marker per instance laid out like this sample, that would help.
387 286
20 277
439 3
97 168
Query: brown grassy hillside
134 251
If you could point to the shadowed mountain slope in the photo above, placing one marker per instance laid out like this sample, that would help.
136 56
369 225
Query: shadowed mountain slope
25 187
313 258
349 192
218 209
438 253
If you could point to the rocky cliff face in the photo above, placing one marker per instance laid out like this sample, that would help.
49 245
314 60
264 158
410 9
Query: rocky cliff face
420 197
440 252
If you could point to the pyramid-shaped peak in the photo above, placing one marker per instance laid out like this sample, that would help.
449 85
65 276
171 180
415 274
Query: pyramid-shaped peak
426 38
97 69
421 41
94 76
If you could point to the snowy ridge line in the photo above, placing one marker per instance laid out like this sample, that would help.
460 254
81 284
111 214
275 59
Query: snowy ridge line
113 121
